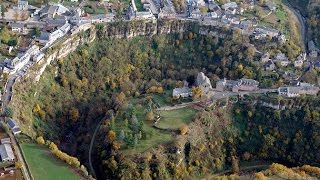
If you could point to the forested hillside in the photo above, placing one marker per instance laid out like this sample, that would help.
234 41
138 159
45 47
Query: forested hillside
116 81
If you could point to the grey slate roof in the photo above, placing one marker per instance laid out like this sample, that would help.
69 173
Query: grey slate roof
6 152
12 123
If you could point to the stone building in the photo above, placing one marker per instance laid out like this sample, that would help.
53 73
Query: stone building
236 86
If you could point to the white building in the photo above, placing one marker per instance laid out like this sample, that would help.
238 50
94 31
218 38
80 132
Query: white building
182 92
100 18
36 58
65 28
229 5
6 153
297 91
22 5
298 63
17 27
14 126
5 141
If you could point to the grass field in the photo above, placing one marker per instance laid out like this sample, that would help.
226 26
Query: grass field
161 98
155 136
44 166
175 118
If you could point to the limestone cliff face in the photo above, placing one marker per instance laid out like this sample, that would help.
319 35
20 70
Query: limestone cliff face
125 29
145 28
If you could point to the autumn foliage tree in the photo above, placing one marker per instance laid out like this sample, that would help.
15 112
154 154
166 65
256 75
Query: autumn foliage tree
40 140
183 130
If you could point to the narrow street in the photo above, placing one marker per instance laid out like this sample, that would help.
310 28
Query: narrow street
6 98
25 172
216 95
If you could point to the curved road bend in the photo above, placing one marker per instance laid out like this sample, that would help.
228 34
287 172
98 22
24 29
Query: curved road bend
6 98
301 22
91 146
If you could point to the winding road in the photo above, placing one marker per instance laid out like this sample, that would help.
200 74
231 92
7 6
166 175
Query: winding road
91 146
6 98
302 23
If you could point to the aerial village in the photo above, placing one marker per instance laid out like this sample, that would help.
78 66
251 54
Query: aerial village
54 21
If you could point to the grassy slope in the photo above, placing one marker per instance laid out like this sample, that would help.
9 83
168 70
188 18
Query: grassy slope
176 118
44 166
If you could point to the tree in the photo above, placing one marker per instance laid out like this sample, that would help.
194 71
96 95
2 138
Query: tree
196 93
18 164
40 140
183 130
120 100
235 165
12 42
150 116
112 164
121 135
111 136
4 127
74 114
8 112
5 35
259 176
36 32
53 147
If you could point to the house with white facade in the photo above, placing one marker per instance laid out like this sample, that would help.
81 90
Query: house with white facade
22 5
101 18
18 28
298 91
229 5
14 126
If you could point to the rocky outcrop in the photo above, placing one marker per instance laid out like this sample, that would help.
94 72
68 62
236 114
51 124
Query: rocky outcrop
125 29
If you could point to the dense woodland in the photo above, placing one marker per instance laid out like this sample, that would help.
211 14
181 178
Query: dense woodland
103 81
289 136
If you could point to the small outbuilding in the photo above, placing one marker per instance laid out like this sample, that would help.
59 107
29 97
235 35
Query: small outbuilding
6 153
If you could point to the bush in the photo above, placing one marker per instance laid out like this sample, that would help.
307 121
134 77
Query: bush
150 116
183 130
40 140
5 127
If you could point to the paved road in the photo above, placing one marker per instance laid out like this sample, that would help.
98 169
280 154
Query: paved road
302 23
25 172
6 98
216 95
91 146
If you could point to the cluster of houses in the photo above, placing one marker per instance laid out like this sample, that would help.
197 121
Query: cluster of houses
6 151
32 53
237 85
229 14
53 20
300 89
202 81
282 60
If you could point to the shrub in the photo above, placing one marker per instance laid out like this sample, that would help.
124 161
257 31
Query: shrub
183 130
40 140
